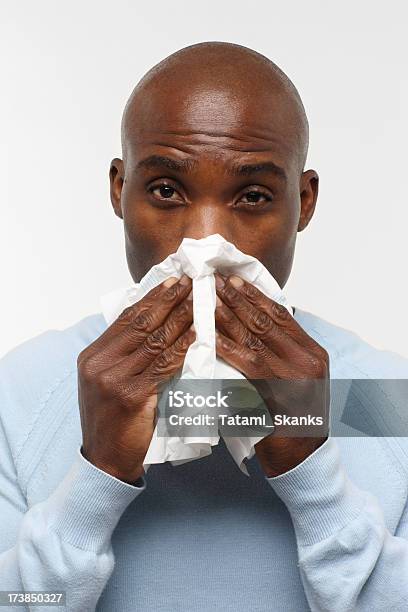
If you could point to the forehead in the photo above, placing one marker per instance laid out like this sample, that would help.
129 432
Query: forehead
217 123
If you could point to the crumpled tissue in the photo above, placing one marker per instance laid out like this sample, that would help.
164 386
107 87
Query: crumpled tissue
199 259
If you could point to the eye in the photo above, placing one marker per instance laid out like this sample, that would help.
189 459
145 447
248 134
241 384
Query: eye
255 198
163 192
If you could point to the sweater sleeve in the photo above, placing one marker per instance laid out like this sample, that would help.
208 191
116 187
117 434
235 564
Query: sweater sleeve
348 559
64 542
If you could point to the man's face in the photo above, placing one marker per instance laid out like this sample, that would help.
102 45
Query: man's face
211 162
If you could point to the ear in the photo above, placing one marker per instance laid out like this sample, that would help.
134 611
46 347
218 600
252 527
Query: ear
309 188
116 178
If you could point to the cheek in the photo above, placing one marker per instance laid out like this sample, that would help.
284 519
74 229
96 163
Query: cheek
275 250
146 245
149 238
274 241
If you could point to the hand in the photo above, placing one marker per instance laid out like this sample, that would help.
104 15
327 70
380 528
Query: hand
259 337
119 372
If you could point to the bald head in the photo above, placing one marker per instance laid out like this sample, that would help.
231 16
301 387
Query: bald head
213 79
214 141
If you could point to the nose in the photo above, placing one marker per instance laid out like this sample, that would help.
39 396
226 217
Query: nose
206 218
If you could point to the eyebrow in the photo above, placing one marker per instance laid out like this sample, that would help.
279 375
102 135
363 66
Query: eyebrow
186 165
160 161
249 169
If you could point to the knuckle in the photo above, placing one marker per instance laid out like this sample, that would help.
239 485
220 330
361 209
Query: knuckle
280 312
85 367
261 322
251 291
126 315
317 366
142 321
255 344
105 382
232 295
156 341
181 347
184 309
226 343
228 317
171 293
255 361
182 344
163 362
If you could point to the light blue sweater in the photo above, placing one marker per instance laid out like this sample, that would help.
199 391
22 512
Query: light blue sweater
331 534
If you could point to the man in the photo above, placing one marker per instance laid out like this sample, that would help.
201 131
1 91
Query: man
214 140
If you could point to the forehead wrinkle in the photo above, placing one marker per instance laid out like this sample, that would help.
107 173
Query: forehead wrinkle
258 134
191 141
261 134
190 146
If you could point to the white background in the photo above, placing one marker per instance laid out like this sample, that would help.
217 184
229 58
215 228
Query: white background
67 70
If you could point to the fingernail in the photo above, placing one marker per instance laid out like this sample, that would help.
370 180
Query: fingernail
219 282
184 280
192 327
236 281
218 301
190 295
170 281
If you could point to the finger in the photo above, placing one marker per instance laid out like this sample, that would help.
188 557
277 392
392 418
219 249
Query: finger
292 356
178 322
136 322
229 324
231 327
242 316
169 362
254 361
234 286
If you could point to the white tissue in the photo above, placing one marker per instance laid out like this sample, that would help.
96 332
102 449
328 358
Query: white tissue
199 259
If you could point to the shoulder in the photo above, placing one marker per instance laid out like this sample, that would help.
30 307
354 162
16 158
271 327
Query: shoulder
350 355
34 371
